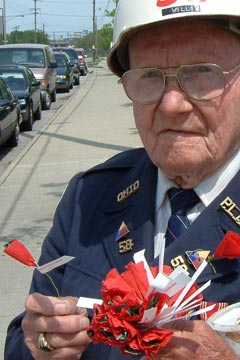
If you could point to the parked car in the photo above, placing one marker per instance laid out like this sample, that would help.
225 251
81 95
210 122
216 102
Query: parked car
10 116
64 71
26 88
82 59
40 59
74 61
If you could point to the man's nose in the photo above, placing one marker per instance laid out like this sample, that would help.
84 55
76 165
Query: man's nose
174 101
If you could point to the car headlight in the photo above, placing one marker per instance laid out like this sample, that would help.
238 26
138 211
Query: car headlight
22 101
62 77
44 83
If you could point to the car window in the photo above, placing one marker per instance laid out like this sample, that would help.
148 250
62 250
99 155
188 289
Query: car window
71 53
15 80
25 56
30 75
61 60
4 93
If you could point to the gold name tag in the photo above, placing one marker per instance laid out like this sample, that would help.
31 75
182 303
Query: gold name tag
179 261
128 191
125 246
231 209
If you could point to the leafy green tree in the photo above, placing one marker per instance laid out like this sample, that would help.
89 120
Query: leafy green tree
27 36
105 37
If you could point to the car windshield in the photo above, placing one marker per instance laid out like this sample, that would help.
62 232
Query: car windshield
22 56
15 80
71 53
61 60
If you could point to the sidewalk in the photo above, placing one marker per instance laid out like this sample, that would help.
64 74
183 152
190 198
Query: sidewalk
95 124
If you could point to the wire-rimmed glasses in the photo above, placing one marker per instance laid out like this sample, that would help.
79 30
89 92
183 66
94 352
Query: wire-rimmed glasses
203 81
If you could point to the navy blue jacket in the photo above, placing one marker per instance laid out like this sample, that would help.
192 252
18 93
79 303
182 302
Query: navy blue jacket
85 226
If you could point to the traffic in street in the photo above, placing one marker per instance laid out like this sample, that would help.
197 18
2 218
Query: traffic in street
8 154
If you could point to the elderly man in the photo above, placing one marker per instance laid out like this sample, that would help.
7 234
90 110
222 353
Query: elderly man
179 64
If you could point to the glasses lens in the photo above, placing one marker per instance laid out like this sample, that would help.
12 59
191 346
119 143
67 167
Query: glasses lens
144 85
201 81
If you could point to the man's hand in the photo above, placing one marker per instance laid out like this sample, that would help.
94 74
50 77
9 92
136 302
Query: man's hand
194 340
62 323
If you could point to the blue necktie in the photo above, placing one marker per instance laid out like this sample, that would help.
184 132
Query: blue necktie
181 201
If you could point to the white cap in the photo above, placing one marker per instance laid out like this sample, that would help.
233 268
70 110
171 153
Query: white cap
133 16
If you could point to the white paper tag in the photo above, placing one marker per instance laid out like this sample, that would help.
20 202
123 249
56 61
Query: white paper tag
54 264
88 302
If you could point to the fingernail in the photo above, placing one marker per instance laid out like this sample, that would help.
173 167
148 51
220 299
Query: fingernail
61 309
84 323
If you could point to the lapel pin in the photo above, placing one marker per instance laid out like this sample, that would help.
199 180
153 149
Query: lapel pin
131 189
196 257
232 210
123 231
125 245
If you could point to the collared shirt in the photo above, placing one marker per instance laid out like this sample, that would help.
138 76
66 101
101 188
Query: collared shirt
207 191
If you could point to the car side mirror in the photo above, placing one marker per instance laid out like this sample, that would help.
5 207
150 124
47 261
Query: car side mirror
36 82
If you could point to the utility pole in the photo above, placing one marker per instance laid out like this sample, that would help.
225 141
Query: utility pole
35 12
94 32
4 22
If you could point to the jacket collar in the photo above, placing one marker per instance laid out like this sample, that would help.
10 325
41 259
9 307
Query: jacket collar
136 209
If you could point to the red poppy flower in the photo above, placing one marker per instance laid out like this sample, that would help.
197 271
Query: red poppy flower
130 314
229 247
152 340
19 252
125 299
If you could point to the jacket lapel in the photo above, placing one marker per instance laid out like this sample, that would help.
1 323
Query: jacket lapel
207 231
137 210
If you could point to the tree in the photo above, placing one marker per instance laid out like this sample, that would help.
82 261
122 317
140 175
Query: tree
105 37
27 36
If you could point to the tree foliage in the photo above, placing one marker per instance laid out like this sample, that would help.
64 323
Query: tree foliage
27 36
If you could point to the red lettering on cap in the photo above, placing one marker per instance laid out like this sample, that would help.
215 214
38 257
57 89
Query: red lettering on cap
165 2
162 3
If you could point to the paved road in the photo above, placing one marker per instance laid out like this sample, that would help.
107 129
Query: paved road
95 123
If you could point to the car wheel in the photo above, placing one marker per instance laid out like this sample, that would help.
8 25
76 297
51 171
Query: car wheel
38 113
71 85
46 104
77 80
14 138
28 124
67 89
84 72
54 96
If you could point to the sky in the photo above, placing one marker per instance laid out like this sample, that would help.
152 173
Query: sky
58 18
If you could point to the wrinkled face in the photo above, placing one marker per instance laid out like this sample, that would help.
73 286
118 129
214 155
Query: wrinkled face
188 139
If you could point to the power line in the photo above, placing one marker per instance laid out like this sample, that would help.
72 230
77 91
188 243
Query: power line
65 15
104 14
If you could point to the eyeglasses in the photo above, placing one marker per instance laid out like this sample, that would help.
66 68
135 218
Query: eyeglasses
203 81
